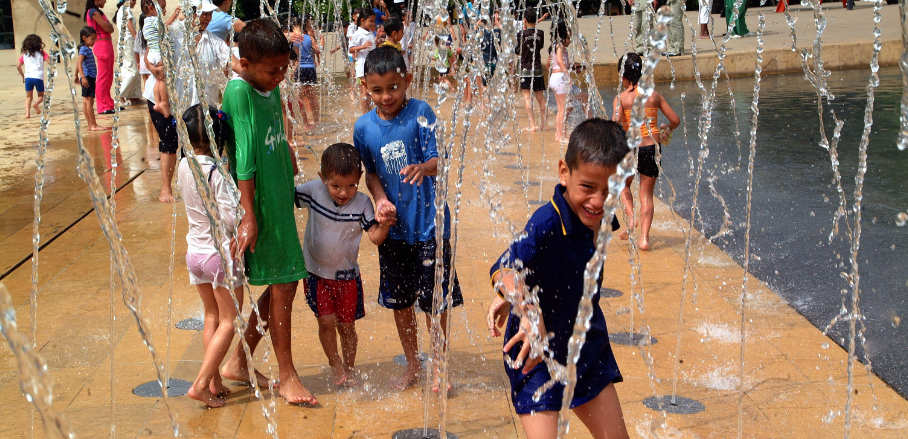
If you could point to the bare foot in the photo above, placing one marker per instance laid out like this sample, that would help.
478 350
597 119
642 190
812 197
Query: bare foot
623 235
235 370
206 397
340 376
218 388
293 391
531 129
352 379
37 109
408 379
28 116
643 244
165 197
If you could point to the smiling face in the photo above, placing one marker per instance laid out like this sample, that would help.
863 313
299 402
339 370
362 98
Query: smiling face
266 73
388 91
342 188
368 24
204 19
586 188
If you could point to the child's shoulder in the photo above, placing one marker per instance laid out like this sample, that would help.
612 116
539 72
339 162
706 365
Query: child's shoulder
544 221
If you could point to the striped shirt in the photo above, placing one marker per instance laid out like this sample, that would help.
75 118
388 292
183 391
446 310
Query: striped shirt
89 68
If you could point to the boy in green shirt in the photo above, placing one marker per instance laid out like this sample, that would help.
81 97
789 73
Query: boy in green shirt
264 165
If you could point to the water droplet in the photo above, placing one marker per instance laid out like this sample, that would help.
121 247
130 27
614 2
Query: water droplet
901 219
825 345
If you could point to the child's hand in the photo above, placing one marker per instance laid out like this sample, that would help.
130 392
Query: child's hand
385 212
246 235
498 315
524 334
83 81
413 174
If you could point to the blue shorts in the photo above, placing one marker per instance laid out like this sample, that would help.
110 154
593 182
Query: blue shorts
34 83
408 275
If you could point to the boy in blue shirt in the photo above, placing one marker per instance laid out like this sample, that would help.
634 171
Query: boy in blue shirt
551 257
400 158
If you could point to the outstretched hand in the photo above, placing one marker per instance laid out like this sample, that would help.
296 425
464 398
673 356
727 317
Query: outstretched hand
525 355
497 315
413 174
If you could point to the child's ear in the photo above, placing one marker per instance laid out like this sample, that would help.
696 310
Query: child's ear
563 172
244 63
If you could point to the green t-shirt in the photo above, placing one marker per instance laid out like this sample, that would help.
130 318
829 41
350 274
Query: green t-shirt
261 153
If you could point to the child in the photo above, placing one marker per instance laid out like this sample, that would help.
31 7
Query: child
264 165
337 216
151 34
401 161
530 42
443 57
394 30
206 270
308 51
652 134
32 59
560 80
551 258
86 71
361 44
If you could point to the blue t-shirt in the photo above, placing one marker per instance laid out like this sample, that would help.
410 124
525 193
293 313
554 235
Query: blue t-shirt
220 24
379 17
554 253
305 51
386 147
89 68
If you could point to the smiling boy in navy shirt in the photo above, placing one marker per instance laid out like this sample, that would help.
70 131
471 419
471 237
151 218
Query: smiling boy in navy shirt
551 256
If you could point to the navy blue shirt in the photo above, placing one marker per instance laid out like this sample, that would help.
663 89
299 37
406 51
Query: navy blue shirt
553 252
388 146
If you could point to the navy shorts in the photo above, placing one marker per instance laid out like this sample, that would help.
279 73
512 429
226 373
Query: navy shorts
408 275
646 161
166 128
89 90
35 84
306 75
535 83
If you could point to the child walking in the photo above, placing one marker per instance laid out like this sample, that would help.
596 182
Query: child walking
530 42
361 44
86 71
652 134
401 159
264 165
206 269
31 68
551 258
338 215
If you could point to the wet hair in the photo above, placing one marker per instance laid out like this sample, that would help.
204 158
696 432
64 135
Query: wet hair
596 141
340 159
194 118
89 5
84 33
530 15
385 59
633 66
262 38
32 44
393 25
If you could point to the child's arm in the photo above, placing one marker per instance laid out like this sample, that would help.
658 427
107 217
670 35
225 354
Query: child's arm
414 174
379 232
80 76
669 113
19 64
617 114
173 17
507 280
385 212
248 231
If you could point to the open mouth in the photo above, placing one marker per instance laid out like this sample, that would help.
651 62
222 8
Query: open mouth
593 212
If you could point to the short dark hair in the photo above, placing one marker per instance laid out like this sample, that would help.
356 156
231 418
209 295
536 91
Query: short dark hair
340 159
84 33
218 3
364 13
194 118
633 67
385 59
262 38
393 25
530 15
597 141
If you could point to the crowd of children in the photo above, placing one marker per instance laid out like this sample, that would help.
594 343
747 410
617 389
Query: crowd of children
394 152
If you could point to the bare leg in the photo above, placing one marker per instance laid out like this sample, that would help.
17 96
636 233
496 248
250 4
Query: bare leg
349 340
540 425
561 99
28 104
528 104
236 368
88 107
646 209
39 102
291 388
218 343
168 162
602 416
327 335
405 319
540 99
437 350
627 199
467 92
308 111
704 30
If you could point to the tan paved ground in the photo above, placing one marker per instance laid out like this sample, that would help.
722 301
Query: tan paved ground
794 377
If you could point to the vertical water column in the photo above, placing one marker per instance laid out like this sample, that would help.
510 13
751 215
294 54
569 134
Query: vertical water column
903 65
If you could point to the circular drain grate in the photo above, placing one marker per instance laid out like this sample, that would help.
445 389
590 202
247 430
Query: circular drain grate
151 389
190 324
631 339
402 360
678 405
419 433
609 292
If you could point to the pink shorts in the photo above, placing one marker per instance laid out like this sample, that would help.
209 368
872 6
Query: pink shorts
205 268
